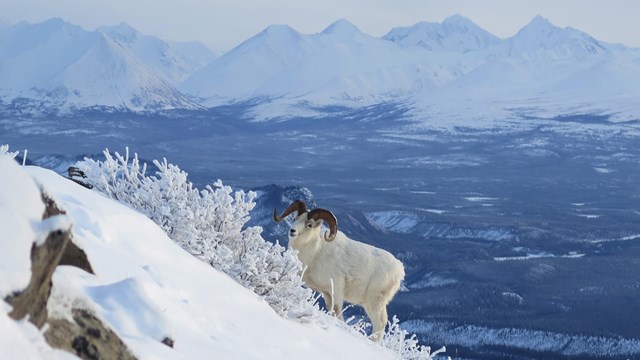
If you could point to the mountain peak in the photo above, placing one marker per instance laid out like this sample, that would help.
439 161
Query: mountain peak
124 27
341 26
121 32
51 24
458 20
456 33
279 30
539 23
542 38
54 21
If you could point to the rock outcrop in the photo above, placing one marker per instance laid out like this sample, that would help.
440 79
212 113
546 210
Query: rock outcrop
87 336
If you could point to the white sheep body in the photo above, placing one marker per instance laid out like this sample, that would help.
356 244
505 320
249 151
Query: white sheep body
347 270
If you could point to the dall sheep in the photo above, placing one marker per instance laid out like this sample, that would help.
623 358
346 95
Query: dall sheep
342 269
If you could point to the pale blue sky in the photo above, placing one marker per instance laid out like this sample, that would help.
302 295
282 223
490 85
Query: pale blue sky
224 24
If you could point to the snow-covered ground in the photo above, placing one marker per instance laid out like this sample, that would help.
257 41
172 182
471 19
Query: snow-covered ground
146 287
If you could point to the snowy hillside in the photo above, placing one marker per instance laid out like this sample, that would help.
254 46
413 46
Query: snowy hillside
145 287
83 69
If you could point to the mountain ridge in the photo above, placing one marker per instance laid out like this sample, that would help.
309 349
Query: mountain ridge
450 66
456 33
83 69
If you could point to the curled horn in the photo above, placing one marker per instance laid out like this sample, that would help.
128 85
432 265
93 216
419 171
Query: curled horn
331 220
297 205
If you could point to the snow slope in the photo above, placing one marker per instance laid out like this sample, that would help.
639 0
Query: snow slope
82 69
146 288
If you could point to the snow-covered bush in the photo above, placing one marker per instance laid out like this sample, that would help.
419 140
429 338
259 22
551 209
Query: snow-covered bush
406 345
207 223
210 224
4 150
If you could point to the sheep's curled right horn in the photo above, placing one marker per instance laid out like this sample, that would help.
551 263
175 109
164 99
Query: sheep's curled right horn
331 220
299 206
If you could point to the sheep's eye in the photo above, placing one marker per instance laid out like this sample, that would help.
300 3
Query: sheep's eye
309 225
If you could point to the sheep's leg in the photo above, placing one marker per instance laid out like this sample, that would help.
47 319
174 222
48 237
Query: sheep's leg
328 300
337 291
383 320
333 304
378 315
337 306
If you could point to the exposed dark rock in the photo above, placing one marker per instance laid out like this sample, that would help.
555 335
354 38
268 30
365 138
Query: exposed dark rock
84 349
75 173
32 301
74 256
87 337
50 206
45 258
94 332
168 341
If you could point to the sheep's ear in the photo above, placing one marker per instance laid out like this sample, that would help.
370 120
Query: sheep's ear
318 223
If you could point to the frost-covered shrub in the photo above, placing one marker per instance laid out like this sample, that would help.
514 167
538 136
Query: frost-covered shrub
211 225
207 223
406 345
4 151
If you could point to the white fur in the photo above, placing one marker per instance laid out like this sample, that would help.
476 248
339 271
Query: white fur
360 273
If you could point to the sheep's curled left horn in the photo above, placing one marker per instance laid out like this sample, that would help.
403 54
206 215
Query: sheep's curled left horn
299 206
326 215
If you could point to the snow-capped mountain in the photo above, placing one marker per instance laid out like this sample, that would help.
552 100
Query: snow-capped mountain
175 61
343 30
346 65
82 69
339 63
240 72
540 38
452 69
456 33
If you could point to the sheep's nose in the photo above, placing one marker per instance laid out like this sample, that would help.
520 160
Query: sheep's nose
292 232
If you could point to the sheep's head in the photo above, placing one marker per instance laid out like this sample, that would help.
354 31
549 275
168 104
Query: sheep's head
307 224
